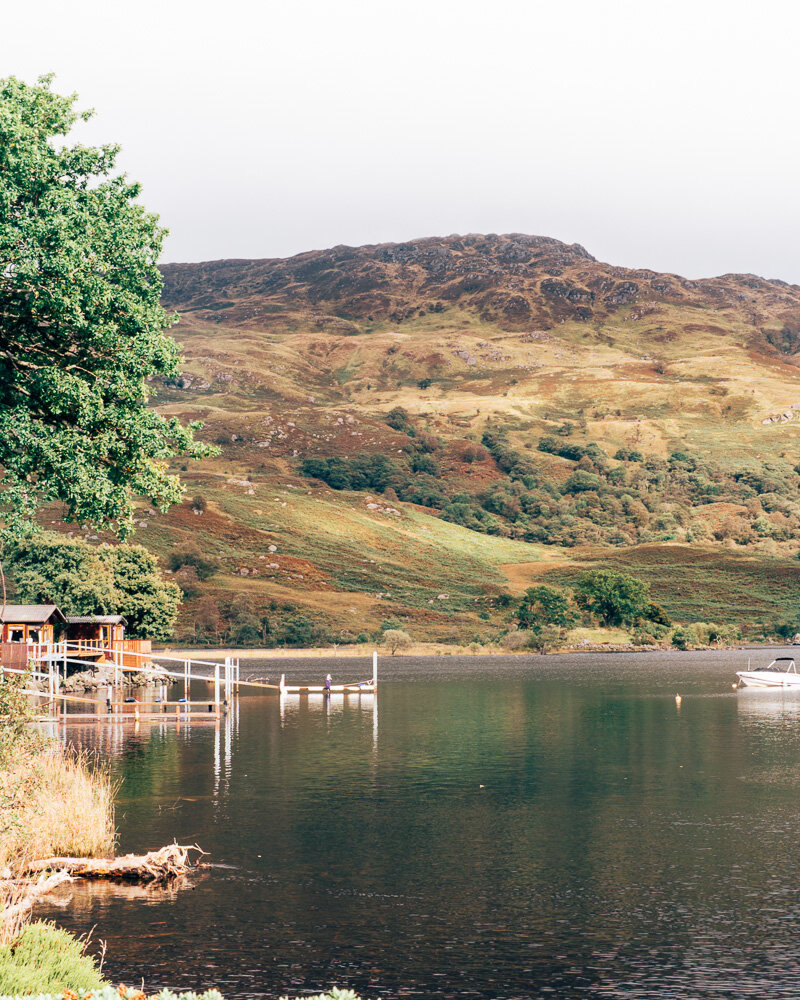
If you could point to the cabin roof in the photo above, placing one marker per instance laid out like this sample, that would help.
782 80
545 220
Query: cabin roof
30 614
96 620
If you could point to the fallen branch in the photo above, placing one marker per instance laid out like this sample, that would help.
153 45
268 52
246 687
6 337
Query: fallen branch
156 866
24 894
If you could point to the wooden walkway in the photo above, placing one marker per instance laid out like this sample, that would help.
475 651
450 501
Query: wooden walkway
226 679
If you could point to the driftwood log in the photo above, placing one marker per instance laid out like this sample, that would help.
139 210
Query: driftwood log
17 899
18 895
157 866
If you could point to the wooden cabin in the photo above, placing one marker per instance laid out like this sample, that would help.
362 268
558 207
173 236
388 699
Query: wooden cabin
25 630
29 623
101 638
96 630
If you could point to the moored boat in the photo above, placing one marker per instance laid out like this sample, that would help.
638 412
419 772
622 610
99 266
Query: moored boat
781 673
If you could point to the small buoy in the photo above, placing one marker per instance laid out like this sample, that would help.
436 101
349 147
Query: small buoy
678 699
481 786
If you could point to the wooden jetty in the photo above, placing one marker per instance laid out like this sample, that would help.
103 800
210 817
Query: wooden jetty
50 662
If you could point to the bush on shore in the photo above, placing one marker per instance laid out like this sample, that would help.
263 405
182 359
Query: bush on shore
46 959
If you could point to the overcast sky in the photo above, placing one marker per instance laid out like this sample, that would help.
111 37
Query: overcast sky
657 135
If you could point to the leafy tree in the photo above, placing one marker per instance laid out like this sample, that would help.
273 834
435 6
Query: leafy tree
81 328
655 613
396 639
149 603
81 579
49 569
545 638
615 598
543 606
247 630
684 637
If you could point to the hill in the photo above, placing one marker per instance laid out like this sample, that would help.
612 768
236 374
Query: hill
409 431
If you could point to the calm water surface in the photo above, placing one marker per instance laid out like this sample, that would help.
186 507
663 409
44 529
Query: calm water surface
492 828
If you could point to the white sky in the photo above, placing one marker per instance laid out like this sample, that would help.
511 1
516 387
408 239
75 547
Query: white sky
659 135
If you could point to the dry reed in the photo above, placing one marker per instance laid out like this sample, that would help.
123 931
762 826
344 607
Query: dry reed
53 802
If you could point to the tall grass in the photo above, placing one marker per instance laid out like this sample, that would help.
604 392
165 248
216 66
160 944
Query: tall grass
53 802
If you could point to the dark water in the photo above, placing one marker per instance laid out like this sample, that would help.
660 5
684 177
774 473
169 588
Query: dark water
493 828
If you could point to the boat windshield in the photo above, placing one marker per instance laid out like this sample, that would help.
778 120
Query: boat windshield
783 665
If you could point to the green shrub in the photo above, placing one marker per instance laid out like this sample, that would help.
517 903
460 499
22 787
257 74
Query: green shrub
116 993
46 959
684 637
648 633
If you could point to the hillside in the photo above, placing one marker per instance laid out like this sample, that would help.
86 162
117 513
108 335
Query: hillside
497 409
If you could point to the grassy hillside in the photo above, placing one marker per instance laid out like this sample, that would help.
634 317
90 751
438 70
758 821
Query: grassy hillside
489 346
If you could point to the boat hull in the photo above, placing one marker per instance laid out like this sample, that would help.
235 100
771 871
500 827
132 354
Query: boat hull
768 679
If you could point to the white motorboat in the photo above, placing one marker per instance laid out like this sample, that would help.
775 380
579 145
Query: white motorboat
781 673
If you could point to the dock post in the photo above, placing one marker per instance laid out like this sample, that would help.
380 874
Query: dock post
227 679
237 674
375 669
282 686
186 670
216 687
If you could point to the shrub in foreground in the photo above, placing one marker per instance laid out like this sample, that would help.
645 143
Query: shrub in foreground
47 959
125 993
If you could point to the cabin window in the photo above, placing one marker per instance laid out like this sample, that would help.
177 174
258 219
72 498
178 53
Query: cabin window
17 635
33 635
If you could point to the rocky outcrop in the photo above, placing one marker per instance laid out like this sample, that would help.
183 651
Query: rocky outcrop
103 675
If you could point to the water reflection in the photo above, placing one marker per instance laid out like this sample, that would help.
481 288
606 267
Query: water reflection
515 828
766 704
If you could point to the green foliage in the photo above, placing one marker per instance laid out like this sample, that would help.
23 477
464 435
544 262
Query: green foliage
297 630
544 606
684 637
364 472
334 994
47 568
396 639
129 992
82 580
82 325
614 598
46 959
149 602
16 711
398 418
647 633
656 615
545 638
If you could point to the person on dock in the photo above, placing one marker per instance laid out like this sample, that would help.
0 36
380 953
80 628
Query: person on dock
328 684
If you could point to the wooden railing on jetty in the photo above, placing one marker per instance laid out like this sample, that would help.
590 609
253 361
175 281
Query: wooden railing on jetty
134 652
50 662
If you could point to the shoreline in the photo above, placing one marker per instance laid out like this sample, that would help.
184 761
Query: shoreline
434 650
